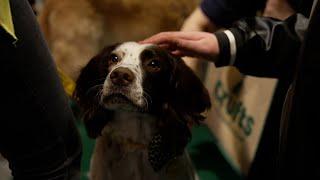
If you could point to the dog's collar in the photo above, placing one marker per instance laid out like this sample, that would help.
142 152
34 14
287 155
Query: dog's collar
130 145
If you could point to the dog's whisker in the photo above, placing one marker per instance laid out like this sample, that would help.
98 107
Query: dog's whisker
146 95
94 88
99 95
146 102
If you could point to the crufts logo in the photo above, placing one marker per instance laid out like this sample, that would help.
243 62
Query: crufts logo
232 107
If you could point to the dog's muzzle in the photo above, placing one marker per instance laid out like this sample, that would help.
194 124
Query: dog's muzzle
122 77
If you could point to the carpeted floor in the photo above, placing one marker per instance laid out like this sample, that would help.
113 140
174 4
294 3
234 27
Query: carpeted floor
207 158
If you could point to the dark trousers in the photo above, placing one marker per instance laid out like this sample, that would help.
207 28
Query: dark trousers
37 131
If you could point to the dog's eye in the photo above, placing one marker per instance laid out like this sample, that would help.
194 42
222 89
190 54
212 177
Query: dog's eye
114 58
154 64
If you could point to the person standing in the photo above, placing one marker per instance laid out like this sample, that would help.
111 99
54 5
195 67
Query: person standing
38 135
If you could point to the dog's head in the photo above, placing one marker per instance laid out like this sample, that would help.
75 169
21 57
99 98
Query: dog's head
135 77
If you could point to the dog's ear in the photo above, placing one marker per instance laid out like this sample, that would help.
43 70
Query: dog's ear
95 120
88 92
91 79
190 98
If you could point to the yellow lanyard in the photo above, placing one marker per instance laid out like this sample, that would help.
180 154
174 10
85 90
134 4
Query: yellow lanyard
6 18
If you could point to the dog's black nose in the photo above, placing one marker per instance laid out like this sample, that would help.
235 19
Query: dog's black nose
122 76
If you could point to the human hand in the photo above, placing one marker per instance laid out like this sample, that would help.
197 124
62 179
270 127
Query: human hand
197 21
194 44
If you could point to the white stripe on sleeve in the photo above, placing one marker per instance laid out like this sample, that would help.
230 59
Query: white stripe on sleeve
233 46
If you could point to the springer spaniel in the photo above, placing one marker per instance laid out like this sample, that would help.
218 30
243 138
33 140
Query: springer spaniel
138 101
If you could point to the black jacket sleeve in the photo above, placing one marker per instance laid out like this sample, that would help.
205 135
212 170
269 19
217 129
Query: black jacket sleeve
262 46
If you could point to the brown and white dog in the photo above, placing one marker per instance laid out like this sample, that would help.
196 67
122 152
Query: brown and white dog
138 101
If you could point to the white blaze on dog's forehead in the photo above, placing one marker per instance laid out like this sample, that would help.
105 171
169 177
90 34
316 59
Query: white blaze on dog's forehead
133 45
131 55
132 51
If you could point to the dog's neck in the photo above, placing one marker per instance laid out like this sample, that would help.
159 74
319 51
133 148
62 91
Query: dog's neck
124 146
122 150
132 130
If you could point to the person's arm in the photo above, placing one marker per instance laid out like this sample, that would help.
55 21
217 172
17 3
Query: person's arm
256 46
199 20
262 46
210 15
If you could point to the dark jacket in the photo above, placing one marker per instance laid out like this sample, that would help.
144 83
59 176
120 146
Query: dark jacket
271 48
225 12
